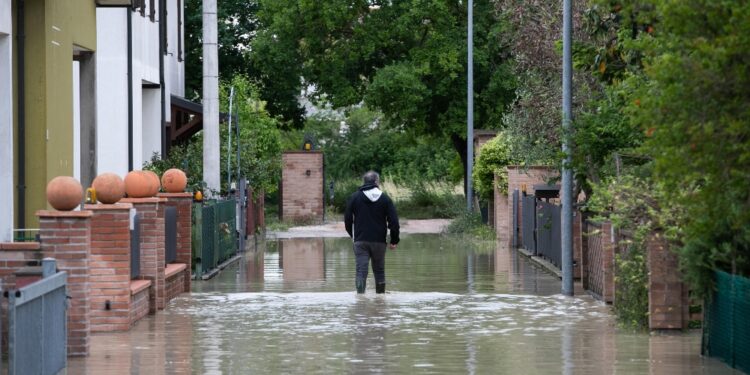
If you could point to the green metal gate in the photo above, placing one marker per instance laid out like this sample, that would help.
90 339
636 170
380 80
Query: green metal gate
214 234
726 332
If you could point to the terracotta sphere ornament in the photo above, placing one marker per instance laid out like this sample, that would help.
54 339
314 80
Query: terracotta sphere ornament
174 180
109 187
64 193
155 182
138 184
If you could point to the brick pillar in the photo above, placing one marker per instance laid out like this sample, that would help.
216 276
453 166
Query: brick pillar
667 294
301 195
66 236
153 254
608 262
110 267
503 216
184 204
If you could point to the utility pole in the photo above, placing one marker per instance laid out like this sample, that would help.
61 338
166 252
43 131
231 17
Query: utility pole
567 173
470 108
211 139
229 141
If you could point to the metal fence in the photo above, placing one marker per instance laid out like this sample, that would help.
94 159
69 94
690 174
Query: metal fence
37 325
170 234
548 244
528 228
135 247
726 331
214 234
594 280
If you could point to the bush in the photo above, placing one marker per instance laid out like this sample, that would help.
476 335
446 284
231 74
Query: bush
492 160
631 296
470 223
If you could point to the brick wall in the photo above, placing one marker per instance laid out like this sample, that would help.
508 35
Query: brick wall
302 186
139 300
184 204
152 246
110 267
66 236
667 294
522 179
608 262
503 216
14 256
175 282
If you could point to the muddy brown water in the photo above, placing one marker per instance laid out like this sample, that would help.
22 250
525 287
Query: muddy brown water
452 307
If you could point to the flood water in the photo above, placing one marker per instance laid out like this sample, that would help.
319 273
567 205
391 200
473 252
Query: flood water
452 307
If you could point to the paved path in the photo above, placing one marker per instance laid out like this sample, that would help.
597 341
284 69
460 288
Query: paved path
336 229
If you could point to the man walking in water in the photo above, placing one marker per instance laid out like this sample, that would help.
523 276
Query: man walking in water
369 214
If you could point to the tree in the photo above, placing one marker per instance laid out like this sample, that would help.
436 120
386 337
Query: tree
406 59
237 24
693 107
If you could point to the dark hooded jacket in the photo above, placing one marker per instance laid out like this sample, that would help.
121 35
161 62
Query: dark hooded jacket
371 213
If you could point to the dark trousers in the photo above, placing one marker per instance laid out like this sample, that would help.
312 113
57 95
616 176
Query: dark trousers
364 251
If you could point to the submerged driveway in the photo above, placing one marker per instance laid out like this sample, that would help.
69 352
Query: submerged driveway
453 306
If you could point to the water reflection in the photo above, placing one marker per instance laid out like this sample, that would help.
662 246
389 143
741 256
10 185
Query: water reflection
452 307
302 259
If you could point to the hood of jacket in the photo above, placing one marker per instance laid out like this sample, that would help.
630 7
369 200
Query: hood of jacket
371 191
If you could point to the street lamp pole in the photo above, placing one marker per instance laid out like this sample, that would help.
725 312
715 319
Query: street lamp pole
470 108
567 173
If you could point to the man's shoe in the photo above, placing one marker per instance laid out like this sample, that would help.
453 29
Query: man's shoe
380 288
360 284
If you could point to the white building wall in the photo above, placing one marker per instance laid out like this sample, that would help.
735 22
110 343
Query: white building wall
112 91
146 126
151 119
175 65
6 123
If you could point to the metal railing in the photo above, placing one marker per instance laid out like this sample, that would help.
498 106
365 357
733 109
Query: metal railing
528 228
548 244
170 234
594 281
37 324
135 247
214 234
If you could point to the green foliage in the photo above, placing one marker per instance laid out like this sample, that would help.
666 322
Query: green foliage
492 160
358 140
260 147
237 23
260 140
404 58
631 296
470 224
187 157
342 190
427 201
694 107
631 203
